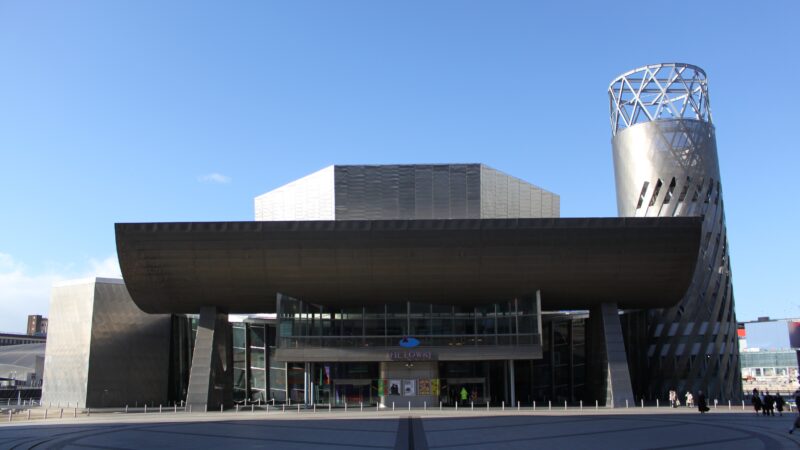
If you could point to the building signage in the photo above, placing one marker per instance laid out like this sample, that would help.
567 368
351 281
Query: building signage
409 342
411 355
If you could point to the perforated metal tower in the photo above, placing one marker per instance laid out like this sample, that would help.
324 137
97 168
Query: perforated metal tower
665 164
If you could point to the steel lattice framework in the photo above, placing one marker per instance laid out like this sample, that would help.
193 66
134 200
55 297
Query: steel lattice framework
657 92
665 164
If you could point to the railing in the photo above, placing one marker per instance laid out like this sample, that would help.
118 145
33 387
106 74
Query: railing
440 340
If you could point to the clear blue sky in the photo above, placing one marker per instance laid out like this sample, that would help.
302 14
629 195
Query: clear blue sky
115 111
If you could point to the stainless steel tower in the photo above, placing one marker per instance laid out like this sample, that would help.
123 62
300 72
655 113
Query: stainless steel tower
665 164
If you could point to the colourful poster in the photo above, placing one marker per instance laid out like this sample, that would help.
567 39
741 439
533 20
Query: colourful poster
424 387
410 387
435 386
394 387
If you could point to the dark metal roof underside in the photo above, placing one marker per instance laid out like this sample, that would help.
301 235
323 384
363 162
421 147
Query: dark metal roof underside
241 266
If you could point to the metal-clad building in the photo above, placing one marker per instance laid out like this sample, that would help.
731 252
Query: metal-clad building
665 165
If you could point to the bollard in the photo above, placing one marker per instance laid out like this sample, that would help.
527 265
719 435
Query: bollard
88 412
503 405
392 406
175 408
534 405
329 407
315 407
220 408
205 407
742 405
472 406
642 403
237 407
581 405
267 408
29 414
425 405
345 406
456 405
61 414
377 406
409 405
565 405
626 402
190 408
549 405
283 407
159 409
715 403
75 412
657 403
729 406
519 405
45 414
253 407
290 401
487 405
145 408
361 406
596 404
126 409
440 406
298 408
9 415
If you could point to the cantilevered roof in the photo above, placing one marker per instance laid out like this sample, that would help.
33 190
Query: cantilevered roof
241 266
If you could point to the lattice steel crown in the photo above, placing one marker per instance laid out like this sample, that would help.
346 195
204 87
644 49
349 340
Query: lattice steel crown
658 91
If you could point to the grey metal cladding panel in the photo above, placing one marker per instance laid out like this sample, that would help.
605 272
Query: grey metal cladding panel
423 192
473 191
458 192
129 359
406 193
441 192
67 352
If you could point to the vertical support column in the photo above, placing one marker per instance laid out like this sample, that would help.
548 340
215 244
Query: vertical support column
512 382
211 375
612 379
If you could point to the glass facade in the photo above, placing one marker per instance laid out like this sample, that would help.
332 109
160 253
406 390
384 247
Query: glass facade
256 376
303 325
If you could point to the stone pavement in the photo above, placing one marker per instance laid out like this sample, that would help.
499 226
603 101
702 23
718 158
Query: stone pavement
634 428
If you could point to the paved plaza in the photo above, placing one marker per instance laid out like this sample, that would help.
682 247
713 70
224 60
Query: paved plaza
634 428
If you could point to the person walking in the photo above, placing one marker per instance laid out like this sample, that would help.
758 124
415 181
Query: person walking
672 397
464 395
702 405
689 399
769 404
796 423
779 403
756 401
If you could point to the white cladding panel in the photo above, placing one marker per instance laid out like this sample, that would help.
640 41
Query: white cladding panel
309 198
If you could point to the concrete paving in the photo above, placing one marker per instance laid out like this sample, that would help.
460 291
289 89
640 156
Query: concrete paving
634 428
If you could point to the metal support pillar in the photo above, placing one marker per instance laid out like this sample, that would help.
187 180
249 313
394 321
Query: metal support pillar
211 375
611 367
512 382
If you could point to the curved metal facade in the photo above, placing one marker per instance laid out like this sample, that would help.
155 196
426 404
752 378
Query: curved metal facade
665 165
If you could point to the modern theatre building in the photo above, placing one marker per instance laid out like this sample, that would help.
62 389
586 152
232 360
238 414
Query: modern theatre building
443 283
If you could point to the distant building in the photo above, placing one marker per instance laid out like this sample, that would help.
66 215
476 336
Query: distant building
17 339
769 354
37 325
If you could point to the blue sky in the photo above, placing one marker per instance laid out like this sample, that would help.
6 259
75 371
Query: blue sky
184 111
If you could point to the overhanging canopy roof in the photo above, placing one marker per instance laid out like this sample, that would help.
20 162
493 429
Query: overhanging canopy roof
241 266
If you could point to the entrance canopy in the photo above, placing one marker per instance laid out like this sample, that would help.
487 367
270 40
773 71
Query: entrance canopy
240 267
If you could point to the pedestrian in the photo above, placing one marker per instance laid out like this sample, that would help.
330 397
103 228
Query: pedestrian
702 405
673 396
769 404
689 399
779 403
756 401
464 395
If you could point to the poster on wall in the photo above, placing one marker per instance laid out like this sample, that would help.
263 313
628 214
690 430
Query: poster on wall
394 387
410 387
435 386
424 386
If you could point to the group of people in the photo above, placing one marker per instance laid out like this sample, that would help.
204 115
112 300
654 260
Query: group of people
767 403
702 404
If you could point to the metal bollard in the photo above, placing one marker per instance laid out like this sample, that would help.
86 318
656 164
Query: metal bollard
409 405
126 409
456 405
392 406
190 408
220 408
61 414
237 407
145 408
253 407
298 408
283 407
315 407
75 413
9 415
361 406
534 405
519 405
29 414
175 408
290 401
267 408
742 405
329 407
715 403
205 407
472 406
626 402
159 409
425 405
642 403
549 405
440 406
581 405
487 405
377 406
45 414
729 406
88 412
503 405
657 403
565 405
345 406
